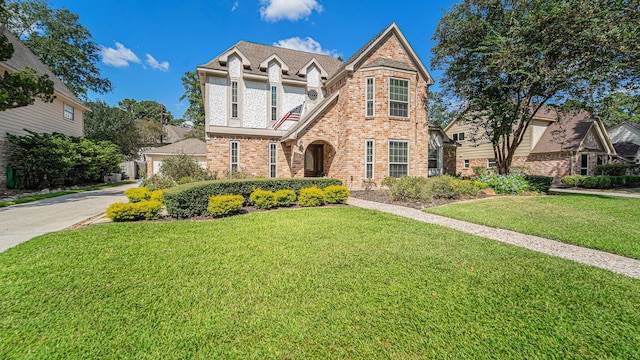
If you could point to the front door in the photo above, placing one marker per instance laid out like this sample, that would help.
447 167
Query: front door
313 161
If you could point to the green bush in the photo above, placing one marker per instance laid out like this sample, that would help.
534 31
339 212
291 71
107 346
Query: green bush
479 170
389 182
466 189
506 184
263 199
312 196
138 194
191 199
540 184
408 188
141 210
157 196
589 182
285 197
619 169
181 166
572 180
222 205
441 187
158 182
336 194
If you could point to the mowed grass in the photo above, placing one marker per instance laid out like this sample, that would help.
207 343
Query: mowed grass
604 223
304 284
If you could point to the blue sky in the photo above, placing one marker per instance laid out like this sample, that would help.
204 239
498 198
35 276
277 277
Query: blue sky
147 45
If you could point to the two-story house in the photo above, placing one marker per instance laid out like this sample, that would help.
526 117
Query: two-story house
64 115
278 112
555 144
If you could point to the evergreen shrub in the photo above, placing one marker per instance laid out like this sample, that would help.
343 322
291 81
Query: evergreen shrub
263 199
222 205
141 210
336 194
312 196
285 197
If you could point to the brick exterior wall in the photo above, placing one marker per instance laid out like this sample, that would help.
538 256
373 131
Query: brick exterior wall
343 129
5 153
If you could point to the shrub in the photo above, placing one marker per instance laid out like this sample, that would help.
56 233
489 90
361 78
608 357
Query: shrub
312 196
141 210
336 194
464 189
181 166
138 194
619 169
540 184
572 180
222 205
157 196
285 197
479 170
263 199
184 180
191 199
389 182
506 184
411 189
158 182
589 182
441 187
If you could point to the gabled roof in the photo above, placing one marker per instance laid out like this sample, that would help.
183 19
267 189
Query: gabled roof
23 57
627 149
256 54
195 147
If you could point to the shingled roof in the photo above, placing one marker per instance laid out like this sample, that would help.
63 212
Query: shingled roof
23 57
293 59
566 134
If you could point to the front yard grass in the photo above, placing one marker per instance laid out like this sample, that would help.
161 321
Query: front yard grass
598 222
309 283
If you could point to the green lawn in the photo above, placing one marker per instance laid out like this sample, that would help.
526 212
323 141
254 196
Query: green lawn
311 283
598 222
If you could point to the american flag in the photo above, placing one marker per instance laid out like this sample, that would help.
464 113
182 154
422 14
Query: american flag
293 115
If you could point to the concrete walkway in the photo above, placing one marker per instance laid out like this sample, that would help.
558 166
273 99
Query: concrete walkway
19 223
601 259
596 192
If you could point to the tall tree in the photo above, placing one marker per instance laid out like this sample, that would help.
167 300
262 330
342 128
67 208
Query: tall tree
147 110
107 123
505 59
441 110
192 93
60 41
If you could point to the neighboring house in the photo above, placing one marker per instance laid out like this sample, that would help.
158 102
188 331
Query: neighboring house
64 115
554 145
626 140
194 147
174 134
277 112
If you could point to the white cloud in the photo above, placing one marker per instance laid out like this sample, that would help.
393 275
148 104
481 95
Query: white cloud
307 44
118 57
235 6
162 66
274 10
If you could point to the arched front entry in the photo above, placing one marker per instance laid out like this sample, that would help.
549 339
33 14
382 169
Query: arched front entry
317 159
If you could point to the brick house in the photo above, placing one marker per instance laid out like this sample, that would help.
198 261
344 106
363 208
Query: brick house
278 112
554 144
64 115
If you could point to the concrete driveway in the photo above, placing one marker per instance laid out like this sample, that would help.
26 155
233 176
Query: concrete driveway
19 223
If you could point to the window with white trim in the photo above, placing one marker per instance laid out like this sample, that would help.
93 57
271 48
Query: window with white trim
491 163
368 159
234 99
432 162
68 112
398 98
370 96
273 160
466 164
398 158
234 157
458 137
274 103
584 164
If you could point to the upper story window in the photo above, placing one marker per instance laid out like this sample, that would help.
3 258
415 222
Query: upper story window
234 99
399 98
274 103
68 112
458 137
370 96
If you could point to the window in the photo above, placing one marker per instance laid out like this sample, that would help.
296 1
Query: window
368 159
370 96
274 103
601 160
234 157
466 164
458 137
273 160
68 112
433 159
584 164
234 99
399 98
491 163
398 158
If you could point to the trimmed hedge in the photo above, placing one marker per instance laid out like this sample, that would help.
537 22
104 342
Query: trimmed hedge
222 205
141 210
539 183
191 199
619 169
285 197
336 194
263 199
601 181
312 196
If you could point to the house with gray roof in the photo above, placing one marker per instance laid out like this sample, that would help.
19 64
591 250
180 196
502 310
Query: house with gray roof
192 147
555 144
626 140
276 112
64 115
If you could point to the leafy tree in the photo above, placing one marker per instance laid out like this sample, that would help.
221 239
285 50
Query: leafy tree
58 39
196 132
150 132
195 112
147 110
505 59
107 123
613 109
440 109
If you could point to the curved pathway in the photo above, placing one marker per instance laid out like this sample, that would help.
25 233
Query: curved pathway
601 259
19 223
